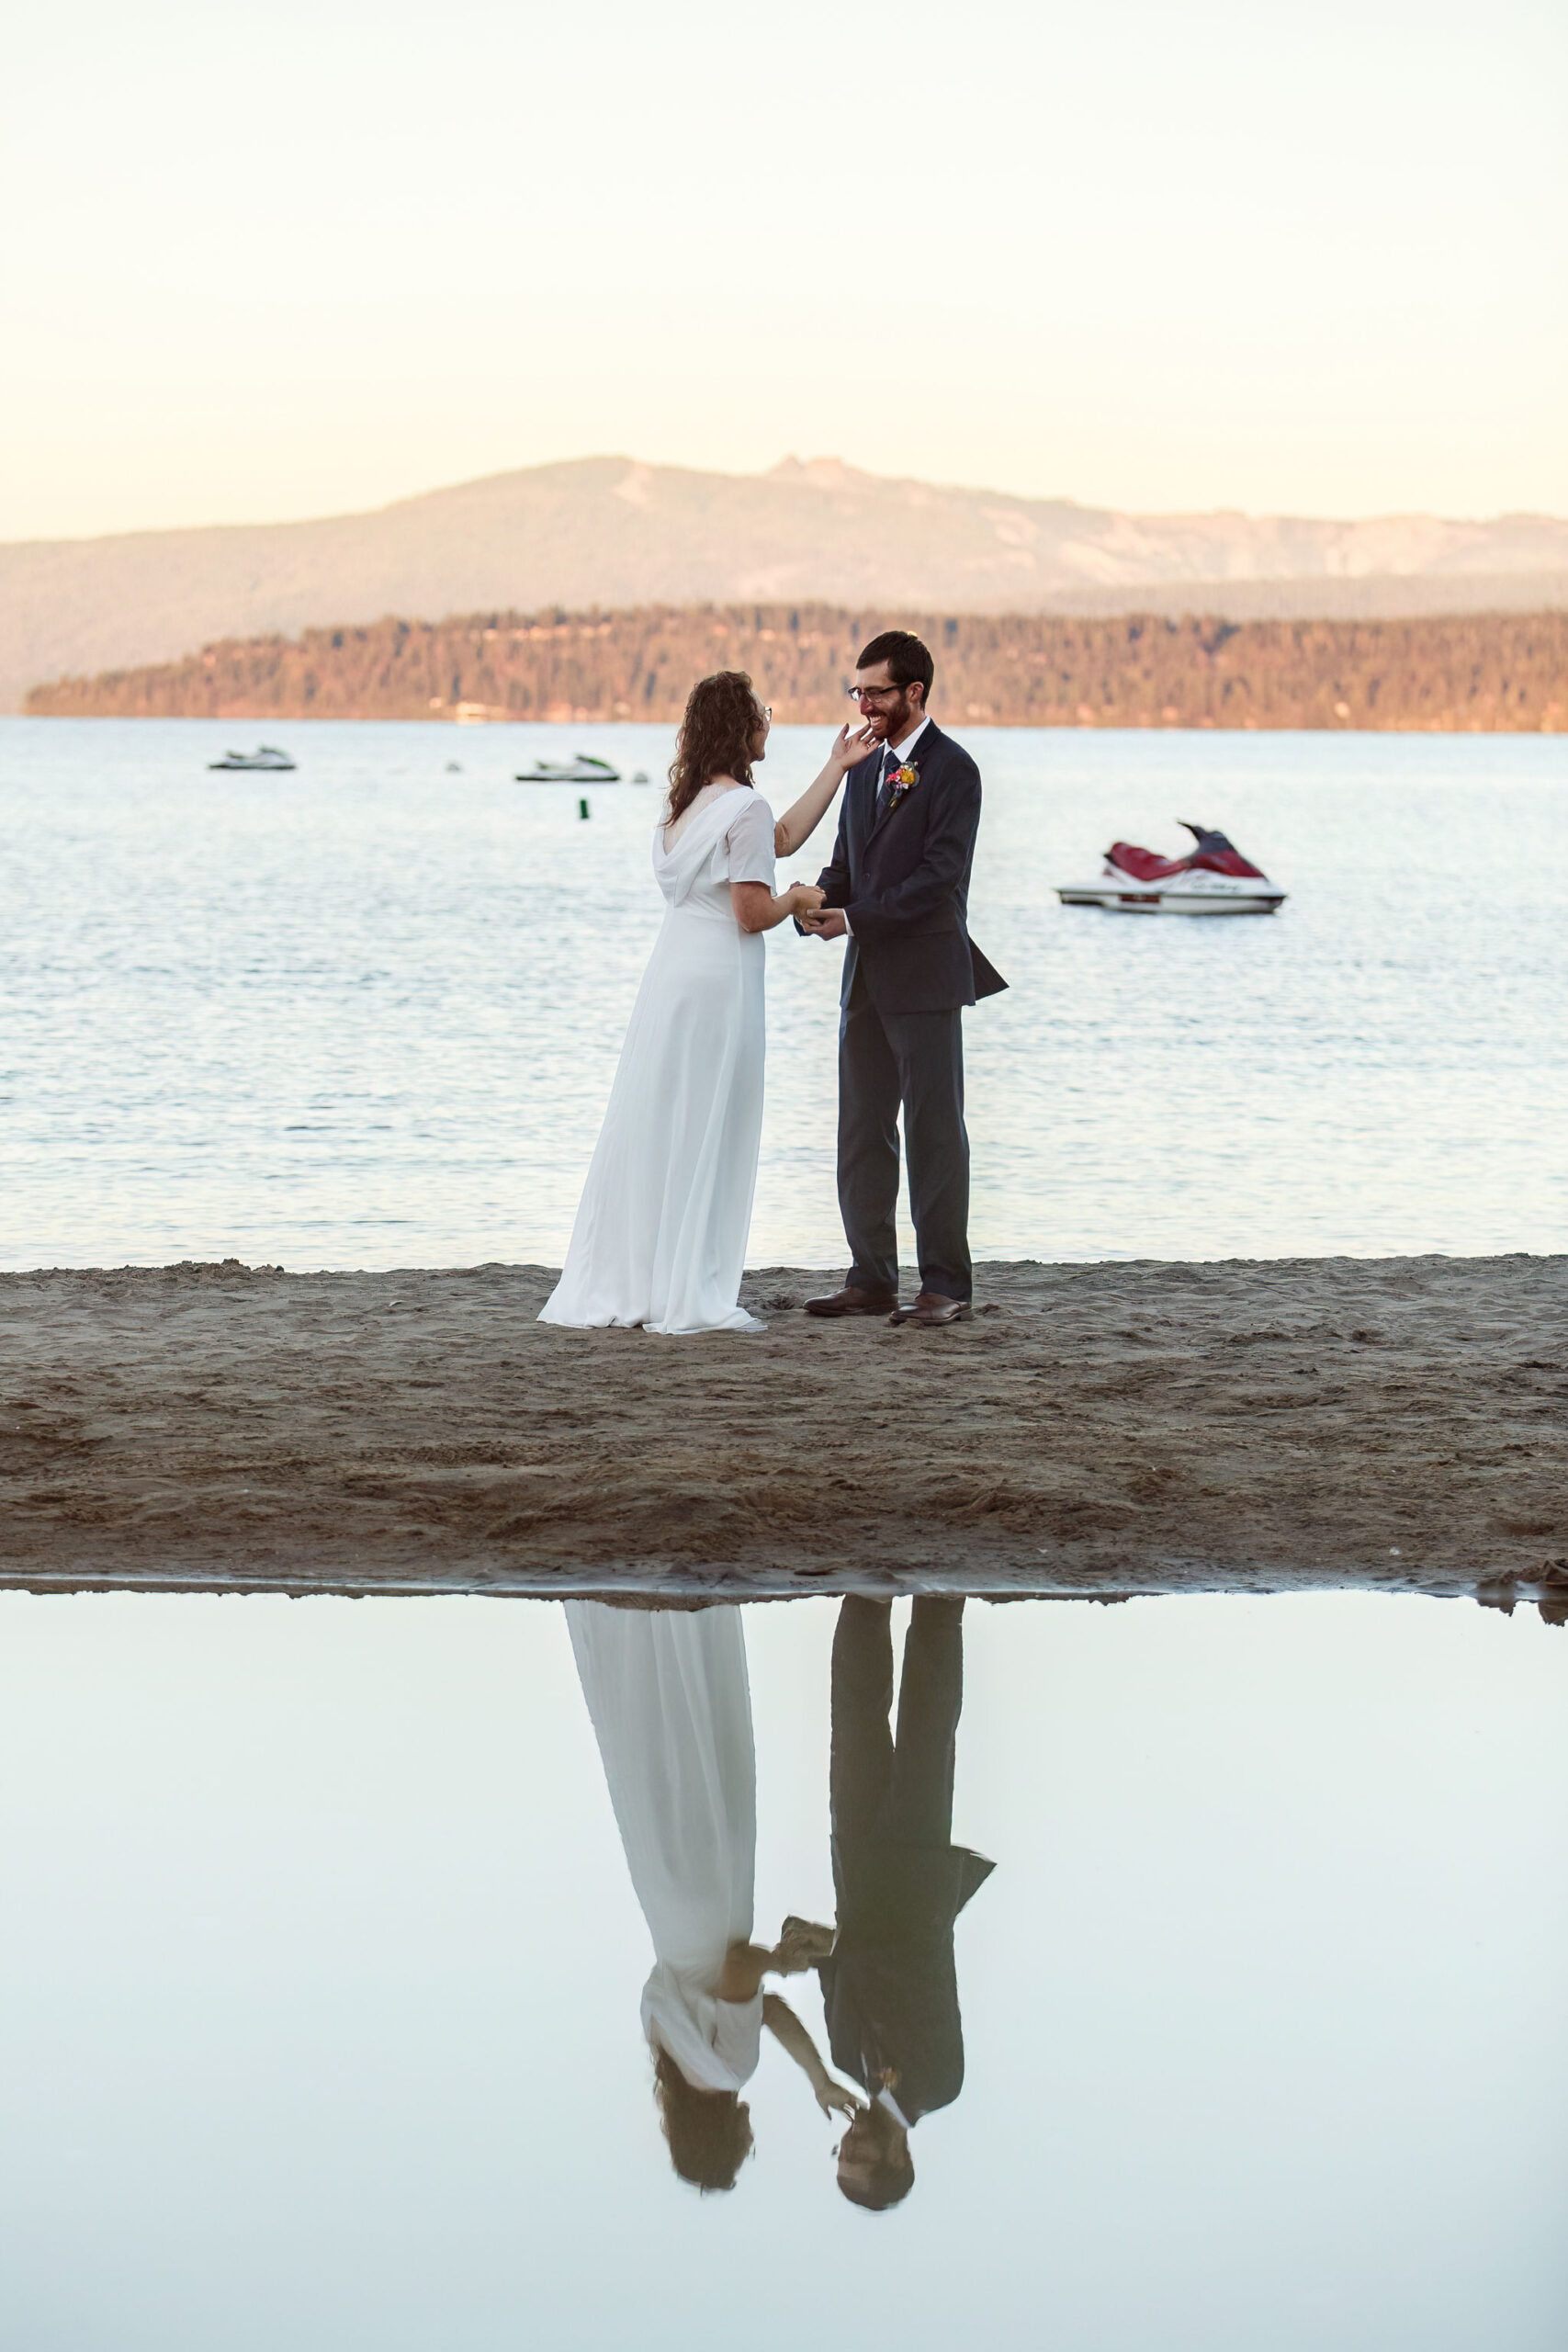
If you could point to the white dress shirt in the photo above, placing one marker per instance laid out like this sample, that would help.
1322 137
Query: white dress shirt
903 750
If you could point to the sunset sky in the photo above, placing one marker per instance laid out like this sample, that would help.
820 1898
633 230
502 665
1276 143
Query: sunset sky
274 261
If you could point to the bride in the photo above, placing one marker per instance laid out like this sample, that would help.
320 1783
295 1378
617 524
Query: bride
659 1239
671 1705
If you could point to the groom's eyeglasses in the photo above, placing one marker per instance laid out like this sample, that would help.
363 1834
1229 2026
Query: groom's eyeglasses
873 694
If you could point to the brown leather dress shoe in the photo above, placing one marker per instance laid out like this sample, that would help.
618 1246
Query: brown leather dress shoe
931 1309
849 1301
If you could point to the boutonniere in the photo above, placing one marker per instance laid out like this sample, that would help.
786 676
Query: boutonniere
903 781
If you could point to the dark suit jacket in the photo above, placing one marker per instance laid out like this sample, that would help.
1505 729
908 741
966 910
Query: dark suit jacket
890 1987
904 882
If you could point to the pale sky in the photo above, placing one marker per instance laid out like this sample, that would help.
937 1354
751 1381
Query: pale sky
280 260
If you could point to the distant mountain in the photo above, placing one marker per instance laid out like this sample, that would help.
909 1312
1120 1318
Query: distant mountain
611 532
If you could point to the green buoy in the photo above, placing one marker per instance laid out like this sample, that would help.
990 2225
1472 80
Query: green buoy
582 808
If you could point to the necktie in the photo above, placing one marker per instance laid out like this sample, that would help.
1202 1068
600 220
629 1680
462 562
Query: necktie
890 763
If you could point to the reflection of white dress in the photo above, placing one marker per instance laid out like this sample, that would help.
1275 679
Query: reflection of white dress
661 1232
671 1710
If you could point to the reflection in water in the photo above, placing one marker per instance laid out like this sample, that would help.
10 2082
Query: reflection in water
671 1705
319 1988
890 1986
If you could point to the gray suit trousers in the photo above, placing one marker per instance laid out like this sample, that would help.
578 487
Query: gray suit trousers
912 1061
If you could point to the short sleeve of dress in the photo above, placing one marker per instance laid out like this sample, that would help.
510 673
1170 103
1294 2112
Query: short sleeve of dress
749 840
715 2044
738 2036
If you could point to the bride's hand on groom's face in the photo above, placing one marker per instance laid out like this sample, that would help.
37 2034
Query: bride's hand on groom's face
850 745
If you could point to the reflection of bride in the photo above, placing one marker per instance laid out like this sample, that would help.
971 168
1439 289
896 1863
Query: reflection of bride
671 1704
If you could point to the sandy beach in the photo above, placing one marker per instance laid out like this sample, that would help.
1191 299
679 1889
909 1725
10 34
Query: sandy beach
1099 1430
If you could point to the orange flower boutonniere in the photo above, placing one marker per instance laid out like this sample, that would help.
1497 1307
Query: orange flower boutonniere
904 781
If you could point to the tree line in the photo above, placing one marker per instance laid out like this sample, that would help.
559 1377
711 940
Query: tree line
1487 671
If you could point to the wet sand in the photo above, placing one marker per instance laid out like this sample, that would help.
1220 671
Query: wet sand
1399 1423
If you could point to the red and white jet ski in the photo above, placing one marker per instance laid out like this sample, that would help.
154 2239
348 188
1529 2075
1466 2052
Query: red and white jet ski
1212 879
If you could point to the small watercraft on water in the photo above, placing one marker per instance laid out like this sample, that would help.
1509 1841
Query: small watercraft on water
1212 879
583 769
268 760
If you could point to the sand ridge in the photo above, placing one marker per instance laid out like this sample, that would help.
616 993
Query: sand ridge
1096 1430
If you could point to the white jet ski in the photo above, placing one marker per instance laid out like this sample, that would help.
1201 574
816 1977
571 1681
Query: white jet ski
583 769
268 761
1212 879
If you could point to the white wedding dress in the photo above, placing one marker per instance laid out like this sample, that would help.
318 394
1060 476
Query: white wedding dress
661 1232
671 1704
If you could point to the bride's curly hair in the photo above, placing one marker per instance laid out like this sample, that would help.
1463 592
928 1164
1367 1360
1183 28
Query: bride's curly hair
709 2132
722 716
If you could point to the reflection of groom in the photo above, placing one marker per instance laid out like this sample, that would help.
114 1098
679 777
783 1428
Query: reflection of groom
890 1987
898 885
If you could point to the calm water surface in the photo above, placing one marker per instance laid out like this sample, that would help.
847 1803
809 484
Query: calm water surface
318 1993
367 1014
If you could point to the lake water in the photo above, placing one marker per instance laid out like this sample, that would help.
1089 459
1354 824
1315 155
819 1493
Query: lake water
367 1014
318 1998
319 1992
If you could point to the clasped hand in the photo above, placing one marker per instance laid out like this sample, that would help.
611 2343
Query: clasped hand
801 1944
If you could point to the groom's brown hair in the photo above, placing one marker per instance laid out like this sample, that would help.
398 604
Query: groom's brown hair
908 657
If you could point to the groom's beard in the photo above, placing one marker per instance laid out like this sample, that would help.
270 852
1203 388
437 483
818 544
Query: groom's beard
898 722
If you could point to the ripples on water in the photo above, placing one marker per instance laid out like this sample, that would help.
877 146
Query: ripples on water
367 1014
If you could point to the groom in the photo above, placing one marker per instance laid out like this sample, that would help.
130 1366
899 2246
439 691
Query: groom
889 1983
899 887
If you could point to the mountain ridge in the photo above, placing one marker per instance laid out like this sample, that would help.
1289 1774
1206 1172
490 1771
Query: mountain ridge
615 532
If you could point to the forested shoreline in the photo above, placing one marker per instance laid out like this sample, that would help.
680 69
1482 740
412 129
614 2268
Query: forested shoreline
1484 672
